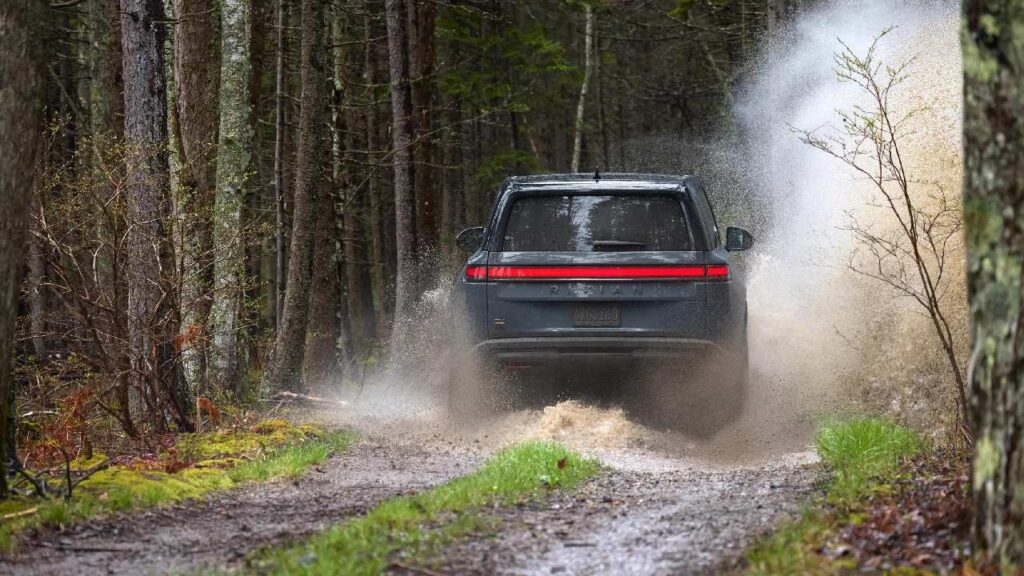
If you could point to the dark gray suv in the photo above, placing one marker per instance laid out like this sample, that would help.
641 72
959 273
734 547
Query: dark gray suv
578 271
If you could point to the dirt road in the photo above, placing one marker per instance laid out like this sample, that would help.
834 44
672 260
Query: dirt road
690 510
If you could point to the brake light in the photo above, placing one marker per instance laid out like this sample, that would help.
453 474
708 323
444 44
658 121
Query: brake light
718 272
476 273
499 273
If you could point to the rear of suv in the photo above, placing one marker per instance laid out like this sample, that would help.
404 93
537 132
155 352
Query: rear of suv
589 270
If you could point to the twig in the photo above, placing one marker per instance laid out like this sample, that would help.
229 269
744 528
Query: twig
21 514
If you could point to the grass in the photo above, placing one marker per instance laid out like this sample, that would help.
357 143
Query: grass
862 455
407 529
277 450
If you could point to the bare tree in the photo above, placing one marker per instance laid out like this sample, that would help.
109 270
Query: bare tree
286 360
994 225
914 254
21 106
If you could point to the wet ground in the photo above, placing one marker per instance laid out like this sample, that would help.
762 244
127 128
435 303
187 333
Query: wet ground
667 503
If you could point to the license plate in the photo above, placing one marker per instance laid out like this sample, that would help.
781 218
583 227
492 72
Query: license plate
597 315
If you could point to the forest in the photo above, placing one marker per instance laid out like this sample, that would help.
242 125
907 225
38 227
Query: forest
216 208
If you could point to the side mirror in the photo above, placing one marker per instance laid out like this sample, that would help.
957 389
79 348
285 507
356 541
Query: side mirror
470 239
737 239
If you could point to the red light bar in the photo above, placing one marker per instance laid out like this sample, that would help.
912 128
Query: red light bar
476 273
481 273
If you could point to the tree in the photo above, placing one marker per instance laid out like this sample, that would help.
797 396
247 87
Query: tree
994 226
405 208
286 360
234 151
21 107
152 326
588 51
196 80
914 254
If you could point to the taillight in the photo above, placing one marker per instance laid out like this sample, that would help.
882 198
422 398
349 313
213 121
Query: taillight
476 273
718 272
527 273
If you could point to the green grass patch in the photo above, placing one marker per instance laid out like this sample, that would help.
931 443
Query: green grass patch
862 455
411 528
258 456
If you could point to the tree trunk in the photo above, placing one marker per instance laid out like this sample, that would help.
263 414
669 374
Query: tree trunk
421 17
321 361
285 368
234 152
21 114
376 216
281 268
196 77
152 326
577 143
405 209
994 230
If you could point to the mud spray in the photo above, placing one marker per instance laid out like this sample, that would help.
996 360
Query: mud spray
820 335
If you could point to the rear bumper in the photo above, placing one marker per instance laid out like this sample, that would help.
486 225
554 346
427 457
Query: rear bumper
568 349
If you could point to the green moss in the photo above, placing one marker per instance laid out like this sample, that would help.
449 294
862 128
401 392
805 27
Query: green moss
414 527
283 452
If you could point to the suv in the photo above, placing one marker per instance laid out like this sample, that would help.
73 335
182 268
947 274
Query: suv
620 270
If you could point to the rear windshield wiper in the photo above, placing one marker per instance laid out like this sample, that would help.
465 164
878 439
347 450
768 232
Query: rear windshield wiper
613 245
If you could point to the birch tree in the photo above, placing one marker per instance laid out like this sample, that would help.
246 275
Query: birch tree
994 226
234 150
577 142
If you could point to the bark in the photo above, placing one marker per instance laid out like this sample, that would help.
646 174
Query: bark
196 80
321 361
994 229
281 258
152 323
405 209
285 367
577 143
21 113
421 16
376 216
234 153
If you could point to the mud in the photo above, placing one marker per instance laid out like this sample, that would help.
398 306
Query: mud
686 520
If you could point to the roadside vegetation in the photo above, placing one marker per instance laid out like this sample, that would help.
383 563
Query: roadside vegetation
892 503
405 532
183 467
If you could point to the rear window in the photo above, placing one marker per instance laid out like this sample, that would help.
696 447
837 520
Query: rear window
593 223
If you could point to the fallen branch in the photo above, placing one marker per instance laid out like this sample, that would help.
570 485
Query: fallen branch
294 397
21 514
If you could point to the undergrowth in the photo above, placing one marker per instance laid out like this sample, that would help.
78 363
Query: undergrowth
404 530
203 463
862 455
